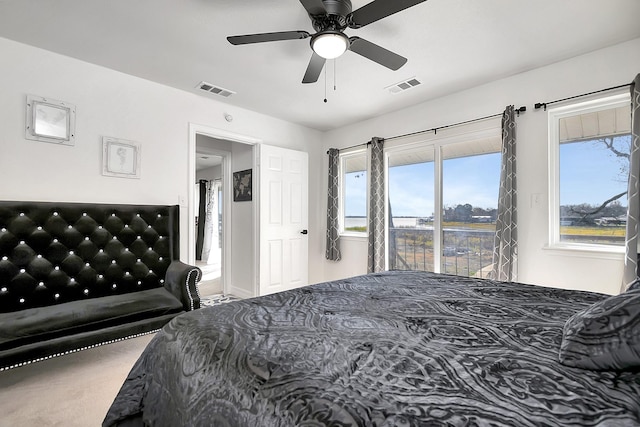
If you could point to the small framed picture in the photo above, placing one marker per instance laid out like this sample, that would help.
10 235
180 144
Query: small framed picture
50 120
242 186
120 158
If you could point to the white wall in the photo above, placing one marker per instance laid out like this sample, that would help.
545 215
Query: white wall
243 229
114 104
605 68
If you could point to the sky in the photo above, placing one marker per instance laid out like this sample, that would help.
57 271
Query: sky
590 174
598 167
472 180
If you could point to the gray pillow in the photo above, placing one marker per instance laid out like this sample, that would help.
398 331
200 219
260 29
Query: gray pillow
605 336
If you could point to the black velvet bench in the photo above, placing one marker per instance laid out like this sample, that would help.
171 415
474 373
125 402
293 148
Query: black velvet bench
78 275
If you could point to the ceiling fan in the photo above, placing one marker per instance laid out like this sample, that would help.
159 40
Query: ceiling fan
330 18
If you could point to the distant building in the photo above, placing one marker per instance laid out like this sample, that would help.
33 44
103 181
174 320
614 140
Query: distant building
482 218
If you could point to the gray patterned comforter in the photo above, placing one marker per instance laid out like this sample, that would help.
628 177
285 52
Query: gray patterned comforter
388 349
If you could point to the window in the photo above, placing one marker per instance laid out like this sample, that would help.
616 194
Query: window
589 163
470 186
411 204
353 177
443 200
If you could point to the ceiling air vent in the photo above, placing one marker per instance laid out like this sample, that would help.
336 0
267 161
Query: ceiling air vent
404 85
216 90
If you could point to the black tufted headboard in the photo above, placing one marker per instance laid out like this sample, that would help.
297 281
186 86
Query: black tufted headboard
52 253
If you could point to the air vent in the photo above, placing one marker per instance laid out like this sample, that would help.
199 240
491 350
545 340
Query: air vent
404 85
216 90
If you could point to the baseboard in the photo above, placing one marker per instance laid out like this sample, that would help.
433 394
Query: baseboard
239 292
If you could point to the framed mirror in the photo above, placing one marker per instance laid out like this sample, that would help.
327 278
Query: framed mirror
50 120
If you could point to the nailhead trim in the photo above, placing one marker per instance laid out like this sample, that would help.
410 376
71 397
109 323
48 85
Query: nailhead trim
186 285
29 362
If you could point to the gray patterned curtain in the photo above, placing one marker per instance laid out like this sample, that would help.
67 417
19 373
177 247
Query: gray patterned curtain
210 207
376 256
633 210
211 247
505 252
333 230
202 213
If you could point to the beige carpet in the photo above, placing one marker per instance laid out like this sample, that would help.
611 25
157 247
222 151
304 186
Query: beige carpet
210 283
207 288
68 391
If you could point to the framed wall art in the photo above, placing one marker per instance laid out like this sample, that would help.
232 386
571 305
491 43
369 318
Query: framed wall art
242 186
50 120
120 158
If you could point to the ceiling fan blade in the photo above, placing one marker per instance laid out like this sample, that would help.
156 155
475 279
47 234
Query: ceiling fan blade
314 7
378 9
316 64
268 37
376 53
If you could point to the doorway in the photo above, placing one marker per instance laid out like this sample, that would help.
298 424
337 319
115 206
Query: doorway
208 196
239 228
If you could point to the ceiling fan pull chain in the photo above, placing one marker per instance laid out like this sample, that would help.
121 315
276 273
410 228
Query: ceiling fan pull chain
335 75
325 84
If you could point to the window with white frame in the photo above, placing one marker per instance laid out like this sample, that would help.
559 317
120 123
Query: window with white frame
470 187
411 188
589 146
443 199
353 185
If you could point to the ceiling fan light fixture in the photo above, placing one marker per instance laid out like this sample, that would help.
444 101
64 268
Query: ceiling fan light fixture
330 44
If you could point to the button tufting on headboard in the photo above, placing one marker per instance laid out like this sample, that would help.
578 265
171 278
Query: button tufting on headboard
60 252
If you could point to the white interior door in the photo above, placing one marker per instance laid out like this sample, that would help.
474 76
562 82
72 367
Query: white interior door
284 211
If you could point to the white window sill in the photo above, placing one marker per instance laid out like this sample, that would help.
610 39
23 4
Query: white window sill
589 251
353 236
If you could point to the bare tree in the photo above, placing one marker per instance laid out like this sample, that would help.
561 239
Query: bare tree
609 142
621 148
585 213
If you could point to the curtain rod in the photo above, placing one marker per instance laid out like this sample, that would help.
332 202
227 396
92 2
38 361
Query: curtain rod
435 129
539 105
354 146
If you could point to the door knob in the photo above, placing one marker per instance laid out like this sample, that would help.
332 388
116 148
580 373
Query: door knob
304 232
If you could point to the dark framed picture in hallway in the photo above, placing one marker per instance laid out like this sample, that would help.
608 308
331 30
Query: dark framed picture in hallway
242 186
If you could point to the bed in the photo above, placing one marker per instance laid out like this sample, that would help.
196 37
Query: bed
390 349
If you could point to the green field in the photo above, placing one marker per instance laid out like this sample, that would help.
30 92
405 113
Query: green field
572 230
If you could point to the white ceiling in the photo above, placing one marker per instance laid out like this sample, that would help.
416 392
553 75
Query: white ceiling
205 161
451 45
